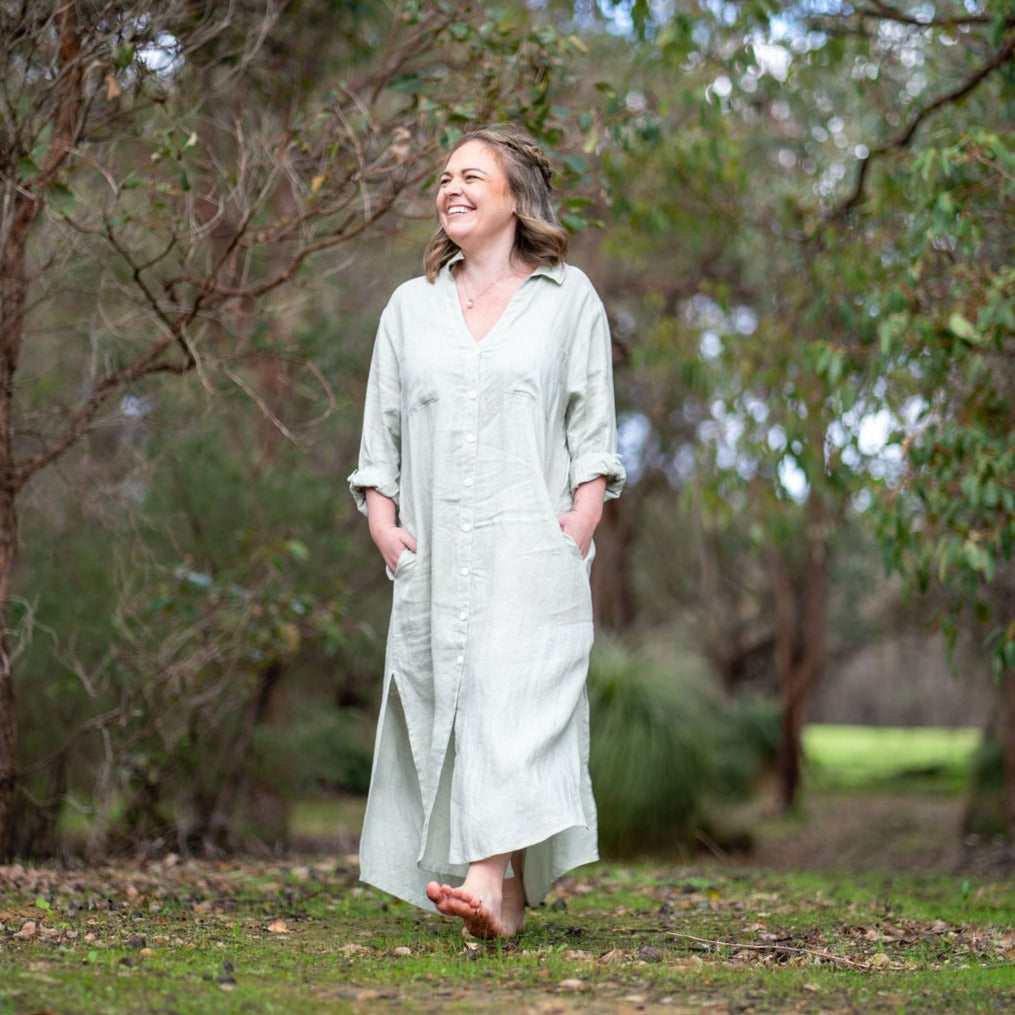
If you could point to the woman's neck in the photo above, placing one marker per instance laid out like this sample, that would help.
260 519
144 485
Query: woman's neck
491 260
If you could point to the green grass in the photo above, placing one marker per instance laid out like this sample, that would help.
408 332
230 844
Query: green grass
647 935
885 756
196 937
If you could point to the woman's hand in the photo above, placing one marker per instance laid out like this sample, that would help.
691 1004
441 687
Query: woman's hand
390 538
391 541
581 521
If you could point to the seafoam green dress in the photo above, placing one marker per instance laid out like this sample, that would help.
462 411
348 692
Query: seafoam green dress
483 739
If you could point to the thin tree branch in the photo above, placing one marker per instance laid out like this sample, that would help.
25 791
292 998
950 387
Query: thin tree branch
1001 57
82 418
886 12
774 947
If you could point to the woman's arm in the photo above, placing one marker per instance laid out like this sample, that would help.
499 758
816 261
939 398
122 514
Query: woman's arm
586 510
387 535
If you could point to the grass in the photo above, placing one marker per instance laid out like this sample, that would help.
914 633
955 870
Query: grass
201 937
876 756
655 936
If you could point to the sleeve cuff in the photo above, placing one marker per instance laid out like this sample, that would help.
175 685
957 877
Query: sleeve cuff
599 463
381 478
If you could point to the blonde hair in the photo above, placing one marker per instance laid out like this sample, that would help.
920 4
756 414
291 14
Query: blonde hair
539 238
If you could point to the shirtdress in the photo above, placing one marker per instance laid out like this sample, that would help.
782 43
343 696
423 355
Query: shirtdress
483 735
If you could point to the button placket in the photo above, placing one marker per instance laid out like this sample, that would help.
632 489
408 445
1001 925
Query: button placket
470 443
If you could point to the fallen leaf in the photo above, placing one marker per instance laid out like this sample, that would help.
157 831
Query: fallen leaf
613 956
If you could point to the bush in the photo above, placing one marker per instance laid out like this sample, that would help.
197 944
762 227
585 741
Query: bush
665 747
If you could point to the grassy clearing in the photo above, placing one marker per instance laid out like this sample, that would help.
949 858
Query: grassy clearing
199 937
835 925
889 757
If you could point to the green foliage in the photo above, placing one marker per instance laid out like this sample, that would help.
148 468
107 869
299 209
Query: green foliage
947 341
665 747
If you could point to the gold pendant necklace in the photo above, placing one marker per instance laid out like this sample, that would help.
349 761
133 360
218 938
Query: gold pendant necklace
470 301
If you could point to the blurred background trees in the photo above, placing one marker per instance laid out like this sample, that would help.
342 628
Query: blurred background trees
807 263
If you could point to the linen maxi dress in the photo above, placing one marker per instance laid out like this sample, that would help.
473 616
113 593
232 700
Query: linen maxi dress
482 740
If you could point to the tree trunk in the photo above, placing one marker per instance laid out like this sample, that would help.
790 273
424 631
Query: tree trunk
799 640
260 707
21 207
12 312
1008 744
611 583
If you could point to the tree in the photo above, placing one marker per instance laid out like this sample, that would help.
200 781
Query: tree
166 167
947 332
761 159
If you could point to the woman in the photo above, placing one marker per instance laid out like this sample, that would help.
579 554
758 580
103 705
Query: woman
489 444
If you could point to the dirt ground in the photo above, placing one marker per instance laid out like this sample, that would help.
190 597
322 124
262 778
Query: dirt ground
856 832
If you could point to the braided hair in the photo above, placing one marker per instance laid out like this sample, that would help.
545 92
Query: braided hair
540 238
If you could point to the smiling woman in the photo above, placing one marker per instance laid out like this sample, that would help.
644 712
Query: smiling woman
489 444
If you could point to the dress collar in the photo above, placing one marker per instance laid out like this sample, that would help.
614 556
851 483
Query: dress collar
554 272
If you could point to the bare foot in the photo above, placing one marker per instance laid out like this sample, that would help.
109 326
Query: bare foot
479 916
488 904
439 895
512 910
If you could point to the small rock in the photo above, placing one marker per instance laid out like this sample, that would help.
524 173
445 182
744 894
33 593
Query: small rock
278 927
578 985
28 929
402 951
649 954
136 941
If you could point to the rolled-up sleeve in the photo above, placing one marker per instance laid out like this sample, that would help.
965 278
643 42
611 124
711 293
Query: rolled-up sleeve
591 421
380 453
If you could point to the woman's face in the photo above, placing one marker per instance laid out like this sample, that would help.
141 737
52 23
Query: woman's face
474 199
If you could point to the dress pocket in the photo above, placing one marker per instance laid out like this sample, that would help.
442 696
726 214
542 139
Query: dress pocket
405 560
572 545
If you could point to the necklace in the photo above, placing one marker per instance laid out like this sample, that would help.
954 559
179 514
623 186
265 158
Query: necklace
470 301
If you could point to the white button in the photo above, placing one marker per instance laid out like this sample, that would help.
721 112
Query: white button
465 572
472 396
470 438
463 615
466 527
460 660
467 481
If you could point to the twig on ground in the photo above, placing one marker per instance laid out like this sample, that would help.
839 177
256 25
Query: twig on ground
774 947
